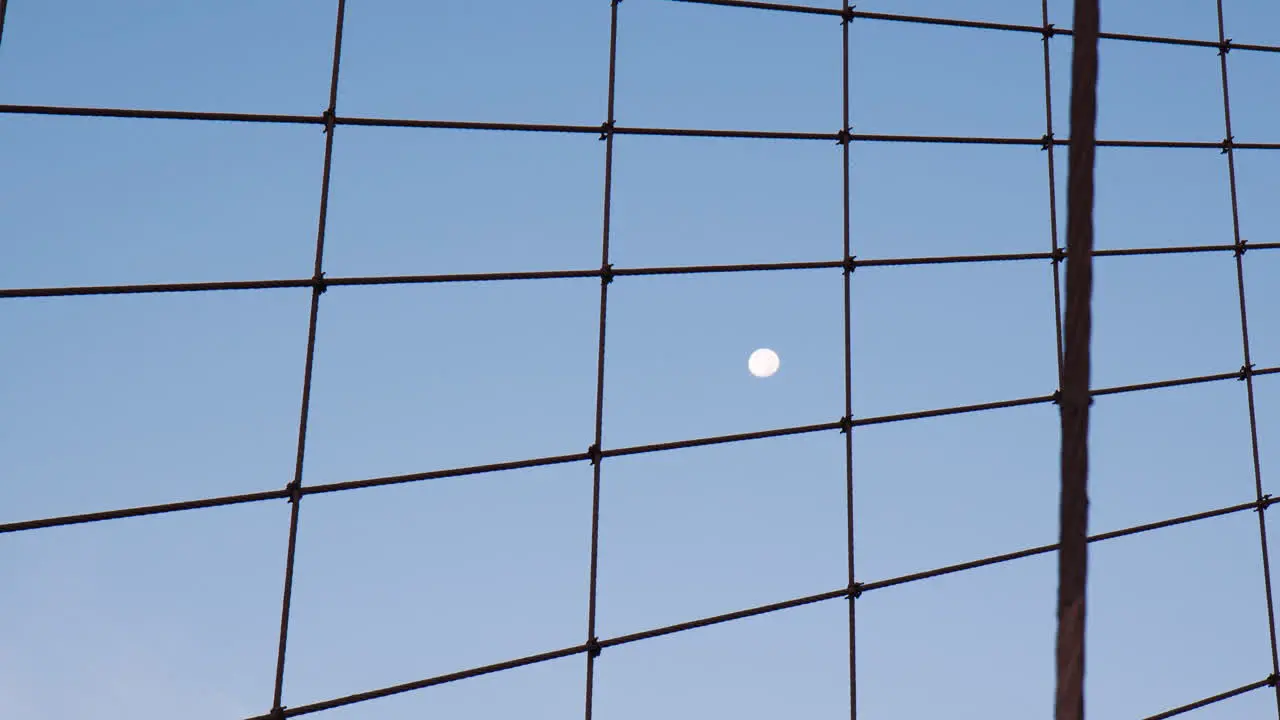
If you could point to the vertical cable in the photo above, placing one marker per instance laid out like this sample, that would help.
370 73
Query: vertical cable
1246 372
606 276
1053 187
317 288
846 132
1073 553
4 8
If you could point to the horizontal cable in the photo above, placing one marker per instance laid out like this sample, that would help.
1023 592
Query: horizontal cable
747 267
147 114
420 684
956 410
441 474
144 114
953 22
757 134
1181 250
716 620
1267 682
1158 384
742 614
780 7
144 288
950 139
1042 549
461 277
142 510
601 129
584 129
974 24
721 439
468 125
1011 257
1061 142
615 452
949 259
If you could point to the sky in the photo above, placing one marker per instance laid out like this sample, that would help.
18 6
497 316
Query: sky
123 400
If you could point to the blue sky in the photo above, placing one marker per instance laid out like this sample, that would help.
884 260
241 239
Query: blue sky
123 400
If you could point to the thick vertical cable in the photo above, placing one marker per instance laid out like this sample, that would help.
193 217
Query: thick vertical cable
1049 147
317 288
606 277
846 133
4 9
1246 371
1074 395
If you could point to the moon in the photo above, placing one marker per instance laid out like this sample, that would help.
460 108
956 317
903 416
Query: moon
763 362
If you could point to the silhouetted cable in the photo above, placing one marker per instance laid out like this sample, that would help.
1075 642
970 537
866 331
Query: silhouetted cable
1075 397
1270 681
606 276
317 288
148 114
321 120
1043 549
470 125
373 280
1245 370
422 684
971 24
780 7
1050 147
846 130
443 474
141 510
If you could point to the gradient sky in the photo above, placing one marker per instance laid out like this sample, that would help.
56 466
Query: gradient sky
123 400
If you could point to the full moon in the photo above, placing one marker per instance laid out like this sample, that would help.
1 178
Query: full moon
763 362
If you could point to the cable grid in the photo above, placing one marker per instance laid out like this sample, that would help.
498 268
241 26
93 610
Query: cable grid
595 453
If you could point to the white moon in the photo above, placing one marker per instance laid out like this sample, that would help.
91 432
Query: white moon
763 362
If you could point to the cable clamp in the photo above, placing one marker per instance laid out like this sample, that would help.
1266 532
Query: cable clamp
295 490
329 119
606 130
846 16
1046 142
1224 47
844 137
1246 371
1241 246
1264 503
851 263
846 424
1049 31
1228 144
319 283
855 591
606 273
1059 255
593 454
593 647
1056 398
